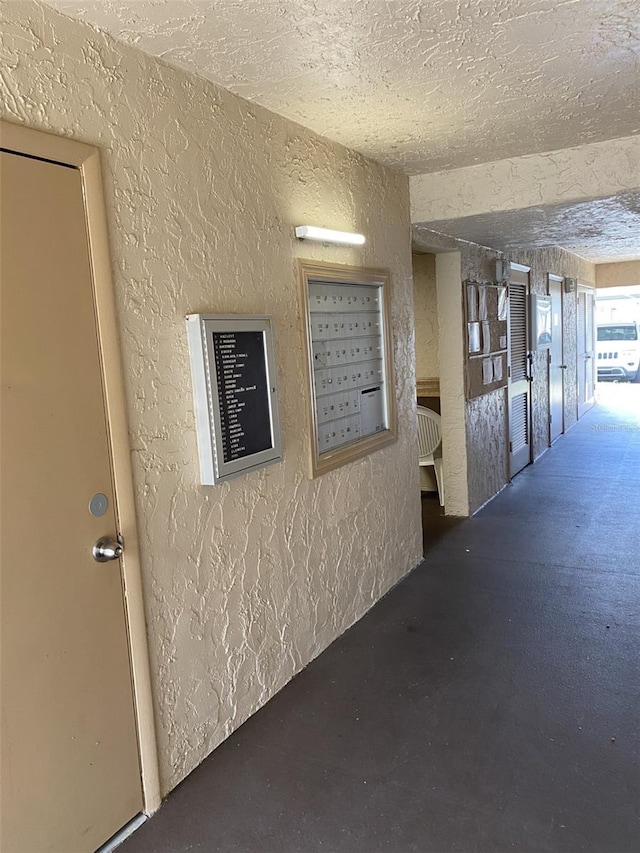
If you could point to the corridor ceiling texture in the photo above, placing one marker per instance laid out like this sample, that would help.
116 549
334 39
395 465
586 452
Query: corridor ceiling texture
427 86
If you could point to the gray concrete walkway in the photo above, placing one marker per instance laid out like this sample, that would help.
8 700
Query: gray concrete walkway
491 702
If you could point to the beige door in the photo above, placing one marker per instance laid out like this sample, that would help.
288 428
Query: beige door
70 769
518 372
586 347
557 366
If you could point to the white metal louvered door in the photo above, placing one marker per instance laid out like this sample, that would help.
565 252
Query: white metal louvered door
519 382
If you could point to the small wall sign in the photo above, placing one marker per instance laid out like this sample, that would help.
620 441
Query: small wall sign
235 394
541 326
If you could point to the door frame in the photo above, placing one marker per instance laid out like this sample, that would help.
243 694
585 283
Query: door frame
558 279
522 268
69 152
583 408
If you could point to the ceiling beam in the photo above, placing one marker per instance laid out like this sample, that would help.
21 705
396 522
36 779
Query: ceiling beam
599 170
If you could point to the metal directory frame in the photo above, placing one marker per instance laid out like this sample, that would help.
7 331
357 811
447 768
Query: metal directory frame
235 394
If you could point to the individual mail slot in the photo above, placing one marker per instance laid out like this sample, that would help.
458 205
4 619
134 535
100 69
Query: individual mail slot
326 437
372 410
328 408
329 436
319 327
347 429
364 349
364 374
330 380
372 373
370 324
321 297
327 326
362 324
336 352
317 298
338 405
349 404
364 298
336 433
320 355
355 324
338 297
327 297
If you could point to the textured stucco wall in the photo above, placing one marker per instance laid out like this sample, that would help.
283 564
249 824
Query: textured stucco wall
486 416
487 442
246 582
425 309
618 275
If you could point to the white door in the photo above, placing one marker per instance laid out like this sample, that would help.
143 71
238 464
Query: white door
518 371
70 768
586 349
557 366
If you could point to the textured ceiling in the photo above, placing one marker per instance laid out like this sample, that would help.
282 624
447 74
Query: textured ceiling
420 85
605 230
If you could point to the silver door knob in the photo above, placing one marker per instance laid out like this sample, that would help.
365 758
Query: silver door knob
107 548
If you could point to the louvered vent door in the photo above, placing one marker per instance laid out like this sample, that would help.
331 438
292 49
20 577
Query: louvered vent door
519 385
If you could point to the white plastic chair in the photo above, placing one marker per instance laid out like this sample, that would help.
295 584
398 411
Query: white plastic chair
429 440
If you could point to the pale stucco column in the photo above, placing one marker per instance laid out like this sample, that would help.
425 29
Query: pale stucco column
452 397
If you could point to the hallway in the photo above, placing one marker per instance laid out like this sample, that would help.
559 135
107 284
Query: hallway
490 702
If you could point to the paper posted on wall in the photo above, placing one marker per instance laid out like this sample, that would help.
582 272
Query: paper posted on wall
497 368
486 337
472 303
474 337
482 304
502 303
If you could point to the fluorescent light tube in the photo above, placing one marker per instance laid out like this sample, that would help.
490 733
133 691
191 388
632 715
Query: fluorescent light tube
326 235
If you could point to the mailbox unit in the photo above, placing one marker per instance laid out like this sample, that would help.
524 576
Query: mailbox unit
352 407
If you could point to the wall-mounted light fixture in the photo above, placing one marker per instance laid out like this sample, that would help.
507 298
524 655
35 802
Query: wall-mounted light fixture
326 235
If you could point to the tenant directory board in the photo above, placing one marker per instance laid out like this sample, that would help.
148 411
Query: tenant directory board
235 394
349 365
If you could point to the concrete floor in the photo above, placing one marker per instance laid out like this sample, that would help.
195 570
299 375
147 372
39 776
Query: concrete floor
491 702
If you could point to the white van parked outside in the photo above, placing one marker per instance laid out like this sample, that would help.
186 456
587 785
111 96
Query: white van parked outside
618 351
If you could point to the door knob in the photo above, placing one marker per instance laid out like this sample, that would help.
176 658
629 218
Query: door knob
107 548
563 367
